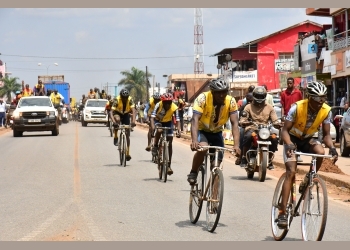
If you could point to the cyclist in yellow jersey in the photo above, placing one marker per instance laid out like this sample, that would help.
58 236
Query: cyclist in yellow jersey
162 115
147 114
301 123
211 111
123 105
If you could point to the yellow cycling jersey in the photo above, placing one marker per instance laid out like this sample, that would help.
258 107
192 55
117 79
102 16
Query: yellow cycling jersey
204 106
165 116
119 108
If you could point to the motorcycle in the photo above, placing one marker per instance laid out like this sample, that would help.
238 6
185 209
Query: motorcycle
64 115
258 156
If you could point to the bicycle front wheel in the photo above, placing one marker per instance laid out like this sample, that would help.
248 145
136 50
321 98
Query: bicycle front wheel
160 159
278 233
120 148
165 160
196 196
315 209
215 199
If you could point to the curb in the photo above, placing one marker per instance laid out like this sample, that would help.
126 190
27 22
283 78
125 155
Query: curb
325 177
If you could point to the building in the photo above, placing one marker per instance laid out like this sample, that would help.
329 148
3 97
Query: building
266 60
337 57
189 84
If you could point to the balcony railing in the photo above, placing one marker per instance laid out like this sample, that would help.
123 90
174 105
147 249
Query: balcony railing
341 42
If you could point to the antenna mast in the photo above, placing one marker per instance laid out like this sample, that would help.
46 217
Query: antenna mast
198 42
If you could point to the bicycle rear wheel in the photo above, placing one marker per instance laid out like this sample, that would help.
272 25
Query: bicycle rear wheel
196 195
111 128
315 209
120 148
214 205
278 233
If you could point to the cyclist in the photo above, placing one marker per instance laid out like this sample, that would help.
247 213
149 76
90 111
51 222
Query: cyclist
147 114
123 105
162 116
108 107
261 112
211 110
301 122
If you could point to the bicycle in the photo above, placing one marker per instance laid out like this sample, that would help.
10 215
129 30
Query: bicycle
111 129
313 211
122 145
203 190
163 154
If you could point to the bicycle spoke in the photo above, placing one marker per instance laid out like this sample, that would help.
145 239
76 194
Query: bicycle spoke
315 208
195 206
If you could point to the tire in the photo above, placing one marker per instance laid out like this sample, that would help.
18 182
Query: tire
344 151
263 166
55 131
278 234
83 123
315 209
123 146
212 216
165 160
196 193
160 158
250 174
16 133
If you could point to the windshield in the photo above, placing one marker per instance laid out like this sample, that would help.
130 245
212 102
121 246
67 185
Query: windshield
99 104
42 102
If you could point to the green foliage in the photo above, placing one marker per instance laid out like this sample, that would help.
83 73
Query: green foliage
135 81
10 86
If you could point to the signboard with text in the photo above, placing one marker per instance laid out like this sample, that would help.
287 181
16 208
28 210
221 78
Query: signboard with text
284 65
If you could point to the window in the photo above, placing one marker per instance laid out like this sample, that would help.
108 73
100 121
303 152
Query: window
286 55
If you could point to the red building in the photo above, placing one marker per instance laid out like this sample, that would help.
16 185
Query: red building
266 60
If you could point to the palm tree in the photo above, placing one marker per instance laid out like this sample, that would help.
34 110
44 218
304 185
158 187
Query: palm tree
135 82
10 86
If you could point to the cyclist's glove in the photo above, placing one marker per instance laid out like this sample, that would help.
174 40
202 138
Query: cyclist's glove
333 151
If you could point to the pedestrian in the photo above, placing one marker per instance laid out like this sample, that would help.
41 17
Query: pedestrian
343 100
2 112
181 105
269 97
288 97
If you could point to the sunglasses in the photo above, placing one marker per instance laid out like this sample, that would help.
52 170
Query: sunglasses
319 98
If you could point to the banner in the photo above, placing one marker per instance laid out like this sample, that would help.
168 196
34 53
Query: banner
304 48
308 68
283 80
244 76
329 34
284 65
347 58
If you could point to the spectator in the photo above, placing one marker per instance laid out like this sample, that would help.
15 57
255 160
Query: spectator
269 97
26 90
343 100
39 89
2 112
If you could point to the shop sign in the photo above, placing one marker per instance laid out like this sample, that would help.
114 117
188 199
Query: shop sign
308 68
284 65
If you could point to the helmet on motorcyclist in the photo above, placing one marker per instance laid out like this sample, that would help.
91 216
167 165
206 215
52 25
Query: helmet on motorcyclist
259 95
18 92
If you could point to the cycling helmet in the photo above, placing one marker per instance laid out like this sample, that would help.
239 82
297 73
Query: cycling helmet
124 92
167 97
316 88
156 96
218 85
259 94
18 92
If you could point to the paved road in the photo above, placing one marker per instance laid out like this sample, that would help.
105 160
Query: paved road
72 186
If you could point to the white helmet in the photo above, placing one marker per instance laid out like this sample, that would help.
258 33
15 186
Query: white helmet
316 88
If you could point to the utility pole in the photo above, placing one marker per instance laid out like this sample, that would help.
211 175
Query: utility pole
153 85
147 82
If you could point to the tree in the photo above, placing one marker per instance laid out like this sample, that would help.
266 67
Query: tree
10 86
135 81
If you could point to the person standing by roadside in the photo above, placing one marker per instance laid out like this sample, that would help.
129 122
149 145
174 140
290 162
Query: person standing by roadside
181 105
343 100
26 90
269 97
288 97
2 112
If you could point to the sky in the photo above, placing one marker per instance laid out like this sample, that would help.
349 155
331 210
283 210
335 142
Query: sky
92 46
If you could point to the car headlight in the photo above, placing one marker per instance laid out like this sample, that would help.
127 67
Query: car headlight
264 133
16 115
87 112
50 113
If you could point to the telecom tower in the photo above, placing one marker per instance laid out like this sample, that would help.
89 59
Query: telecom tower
198 42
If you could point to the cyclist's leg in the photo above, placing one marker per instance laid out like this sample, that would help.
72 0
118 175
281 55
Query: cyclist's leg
149 138
156 137
125 120
198 158
117 120
170 136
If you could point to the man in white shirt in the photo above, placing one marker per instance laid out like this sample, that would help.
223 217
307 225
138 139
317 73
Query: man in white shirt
269 97
343 100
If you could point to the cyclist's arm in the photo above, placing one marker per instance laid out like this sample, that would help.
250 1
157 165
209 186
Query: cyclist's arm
194 126
234 128
153 115
326 127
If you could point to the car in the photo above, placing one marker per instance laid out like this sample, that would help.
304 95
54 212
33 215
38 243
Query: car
94 112
35 113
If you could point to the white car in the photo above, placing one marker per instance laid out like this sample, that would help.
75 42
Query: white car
93 112
35 113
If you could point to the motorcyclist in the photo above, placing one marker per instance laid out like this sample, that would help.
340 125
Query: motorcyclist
261 113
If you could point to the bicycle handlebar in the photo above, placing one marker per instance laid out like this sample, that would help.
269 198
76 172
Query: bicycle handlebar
201 148
162 127
313 155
